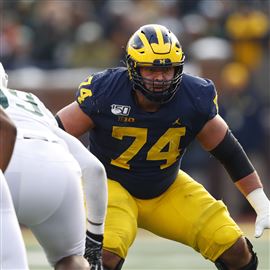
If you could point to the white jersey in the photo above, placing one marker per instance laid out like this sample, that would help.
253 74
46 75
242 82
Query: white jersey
26 110
45 180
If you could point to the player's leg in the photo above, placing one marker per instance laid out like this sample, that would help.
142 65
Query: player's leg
71 263
120 226
12 249
231 256
45 183
190 215
62 233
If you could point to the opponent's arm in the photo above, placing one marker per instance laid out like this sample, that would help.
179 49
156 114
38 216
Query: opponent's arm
8 134
73 120
96 193
216 138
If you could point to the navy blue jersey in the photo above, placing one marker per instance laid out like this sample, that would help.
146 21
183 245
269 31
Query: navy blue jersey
143 150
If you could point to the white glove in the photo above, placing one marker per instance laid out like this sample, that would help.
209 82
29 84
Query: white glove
261 204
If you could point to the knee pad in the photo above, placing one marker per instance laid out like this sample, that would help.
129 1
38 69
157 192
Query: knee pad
252 265
226 235
220 241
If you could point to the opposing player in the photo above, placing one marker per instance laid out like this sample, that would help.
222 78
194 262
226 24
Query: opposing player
44 177
141 119
12 249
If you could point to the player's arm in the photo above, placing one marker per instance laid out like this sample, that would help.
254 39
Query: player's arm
73 120
216 138
94 181
96 195
8 134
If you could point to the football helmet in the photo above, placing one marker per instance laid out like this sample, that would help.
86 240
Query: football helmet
153 46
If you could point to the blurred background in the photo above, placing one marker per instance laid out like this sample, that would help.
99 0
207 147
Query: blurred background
49 46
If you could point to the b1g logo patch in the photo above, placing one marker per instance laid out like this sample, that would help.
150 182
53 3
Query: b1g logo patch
120 109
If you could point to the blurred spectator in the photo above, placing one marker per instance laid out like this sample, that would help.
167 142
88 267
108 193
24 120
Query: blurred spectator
90 48
211 53
16 41
241 106
248 29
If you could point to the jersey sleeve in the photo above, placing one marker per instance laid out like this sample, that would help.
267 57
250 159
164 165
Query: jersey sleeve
207 103
203 97
91 93
50 116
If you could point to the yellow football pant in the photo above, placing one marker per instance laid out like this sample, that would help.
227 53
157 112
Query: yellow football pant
185 213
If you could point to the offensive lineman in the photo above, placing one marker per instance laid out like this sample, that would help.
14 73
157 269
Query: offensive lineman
141 118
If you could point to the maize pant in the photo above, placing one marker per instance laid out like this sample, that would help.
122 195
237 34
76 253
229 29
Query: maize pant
185 213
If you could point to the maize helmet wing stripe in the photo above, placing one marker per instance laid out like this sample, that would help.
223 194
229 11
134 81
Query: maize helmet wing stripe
152 43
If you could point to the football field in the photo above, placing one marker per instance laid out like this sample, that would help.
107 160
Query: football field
150 252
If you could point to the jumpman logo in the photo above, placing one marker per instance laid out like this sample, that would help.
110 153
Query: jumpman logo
177 122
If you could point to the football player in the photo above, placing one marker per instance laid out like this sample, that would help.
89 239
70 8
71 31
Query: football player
12 249
44 178
141 118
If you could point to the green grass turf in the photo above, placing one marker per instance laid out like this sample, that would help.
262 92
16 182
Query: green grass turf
151 252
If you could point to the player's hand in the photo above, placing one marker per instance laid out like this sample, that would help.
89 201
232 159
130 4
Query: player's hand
93 251
262 223
261 204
